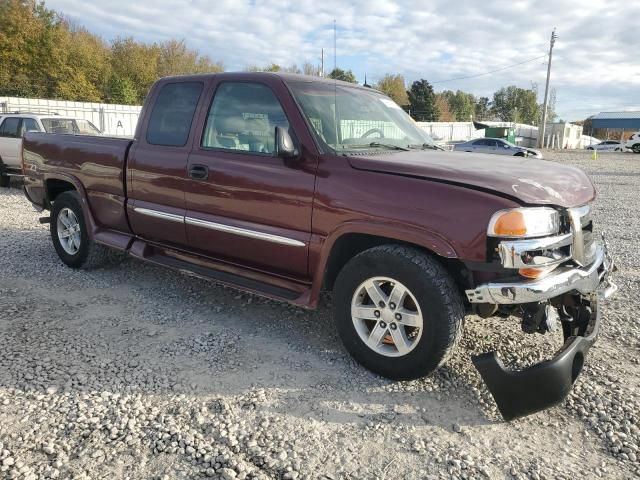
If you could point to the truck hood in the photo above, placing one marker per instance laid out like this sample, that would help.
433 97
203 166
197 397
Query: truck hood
528 180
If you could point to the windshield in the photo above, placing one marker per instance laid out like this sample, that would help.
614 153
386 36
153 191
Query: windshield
69 126
348 118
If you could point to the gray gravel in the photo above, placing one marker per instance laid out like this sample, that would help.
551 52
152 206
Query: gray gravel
138 372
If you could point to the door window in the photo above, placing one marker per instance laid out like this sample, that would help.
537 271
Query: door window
172 114
9 127
29 125
243 116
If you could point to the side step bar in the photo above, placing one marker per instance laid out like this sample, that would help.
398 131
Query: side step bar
154 255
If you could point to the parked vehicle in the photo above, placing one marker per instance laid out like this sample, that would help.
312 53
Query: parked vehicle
634 142
14 126
496 146
608 146
283 185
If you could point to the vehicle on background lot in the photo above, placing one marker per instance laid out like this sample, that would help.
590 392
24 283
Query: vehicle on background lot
283 185
608 146
13 126
496 146
634 143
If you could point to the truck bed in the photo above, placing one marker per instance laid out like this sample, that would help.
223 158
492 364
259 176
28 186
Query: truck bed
97 162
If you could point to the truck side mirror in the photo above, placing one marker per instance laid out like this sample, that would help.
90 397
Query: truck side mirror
285 147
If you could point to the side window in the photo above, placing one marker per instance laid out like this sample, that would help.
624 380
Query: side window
243 116
172 114
29 125
9 127
480 143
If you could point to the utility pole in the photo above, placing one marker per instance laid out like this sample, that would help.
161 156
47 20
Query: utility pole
546 92
322 62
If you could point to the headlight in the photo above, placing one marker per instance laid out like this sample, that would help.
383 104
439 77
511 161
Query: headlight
524 222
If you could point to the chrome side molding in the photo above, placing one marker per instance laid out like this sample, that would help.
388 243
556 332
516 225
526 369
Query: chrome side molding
172 217
243 232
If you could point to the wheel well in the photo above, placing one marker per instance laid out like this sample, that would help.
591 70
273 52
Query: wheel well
351 244
519 154
55 187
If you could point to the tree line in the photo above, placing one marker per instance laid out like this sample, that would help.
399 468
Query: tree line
42 54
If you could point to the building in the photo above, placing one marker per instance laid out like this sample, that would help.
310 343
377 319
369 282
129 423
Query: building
615 124
563 135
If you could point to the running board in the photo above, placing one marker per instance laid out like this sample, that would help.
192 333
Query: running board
154 255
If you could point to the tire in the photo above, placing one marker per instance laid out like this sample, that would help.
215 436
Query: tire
432 293
636 148
590 148
519 154
5 181
85 253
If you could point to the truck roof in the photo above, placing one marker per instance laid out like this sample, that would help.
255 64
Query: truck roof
286 77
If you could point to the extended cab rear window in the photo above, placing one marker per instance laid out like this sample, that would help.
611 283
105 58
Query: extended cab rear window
172 114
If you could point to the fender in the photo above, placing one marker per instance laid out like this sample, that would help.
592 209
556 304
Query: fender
321 247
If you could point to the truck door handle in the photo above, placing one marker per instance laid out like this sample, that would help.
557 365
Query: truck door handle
199 172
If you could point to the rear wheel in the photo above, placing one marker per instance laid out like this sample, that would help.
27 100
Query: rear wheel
519 154
636 148
70 235
398 312
5 181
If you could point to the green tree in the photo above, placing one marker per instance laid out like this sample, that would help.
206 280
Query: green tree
482 109
344 75
461 104
121 90
394 87
514 104
136 62
422 101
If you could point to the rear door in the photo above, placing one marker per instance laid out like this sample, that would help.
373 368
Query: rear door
10 141
157 164
245 205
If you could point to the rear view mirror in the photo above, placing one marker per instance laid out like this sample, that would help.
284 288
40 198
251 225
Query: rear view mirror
284 144
506 146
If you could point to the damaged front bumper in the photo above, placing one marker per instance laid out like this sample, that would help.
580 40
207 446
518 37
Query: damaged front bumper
523 392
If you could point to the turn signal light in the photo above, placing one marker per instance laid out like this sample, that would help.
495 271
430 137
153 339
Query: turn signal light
536 272
510 224
524 222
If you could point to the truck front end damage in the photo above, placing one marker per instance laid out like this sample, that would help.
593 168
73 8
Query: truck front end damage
554 274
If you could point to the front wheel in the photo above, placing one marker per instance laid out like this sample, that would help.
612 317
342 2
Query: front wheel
5 181
398 311
636 148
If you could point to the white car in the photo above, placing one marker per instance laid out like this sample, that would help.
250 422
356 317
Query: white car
608 146
14 126
496 146
634 143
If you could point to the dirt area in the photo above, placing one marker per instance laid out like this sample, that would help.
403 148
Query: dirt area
134 371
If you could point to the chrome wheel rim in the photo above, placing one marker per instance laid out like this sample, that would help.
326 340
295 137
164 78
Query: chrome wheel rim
387 316
68 229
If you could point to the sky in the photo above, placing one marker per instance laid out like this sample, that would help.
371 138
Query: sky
596 58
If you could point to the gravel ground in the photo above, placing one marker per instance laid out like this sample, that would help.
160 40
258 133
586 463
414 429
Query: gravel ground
138 372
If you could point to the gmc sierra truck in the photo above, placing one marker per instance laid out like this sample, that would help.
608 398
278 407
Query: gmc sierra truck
284 185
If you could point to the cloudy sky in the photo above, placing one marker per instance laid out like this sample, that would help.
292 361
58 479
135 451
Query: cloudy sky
596 61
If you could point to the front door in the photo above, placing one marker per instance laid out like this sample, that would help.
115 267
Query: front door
245 205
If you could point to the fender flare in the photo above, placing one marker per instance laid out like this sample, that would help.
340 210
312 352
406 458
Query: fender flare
429 240
86 208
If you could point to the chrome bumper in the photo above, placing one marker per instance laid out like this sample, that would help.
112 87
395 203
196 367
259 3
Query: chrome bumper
594 278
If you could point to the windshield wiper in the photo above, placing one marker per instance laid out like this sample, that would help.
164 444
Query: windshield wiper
390 146
426 146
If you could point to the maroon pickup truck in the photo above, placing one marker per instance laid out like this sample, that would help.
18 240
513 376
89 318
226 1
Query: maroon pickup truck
283 185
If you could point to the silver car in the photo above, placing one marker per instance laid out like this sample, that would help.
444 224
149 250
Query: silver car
496 146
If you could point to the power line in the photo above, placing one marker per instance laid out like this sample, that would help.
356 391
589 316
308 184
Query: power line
491 71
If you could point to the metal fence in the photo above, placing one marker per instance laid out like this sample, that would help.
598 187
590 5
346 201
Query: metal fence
117 120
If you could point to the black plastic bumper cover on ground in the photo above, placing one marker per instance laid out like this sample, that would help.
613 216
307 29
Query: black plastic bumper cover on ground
520 393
